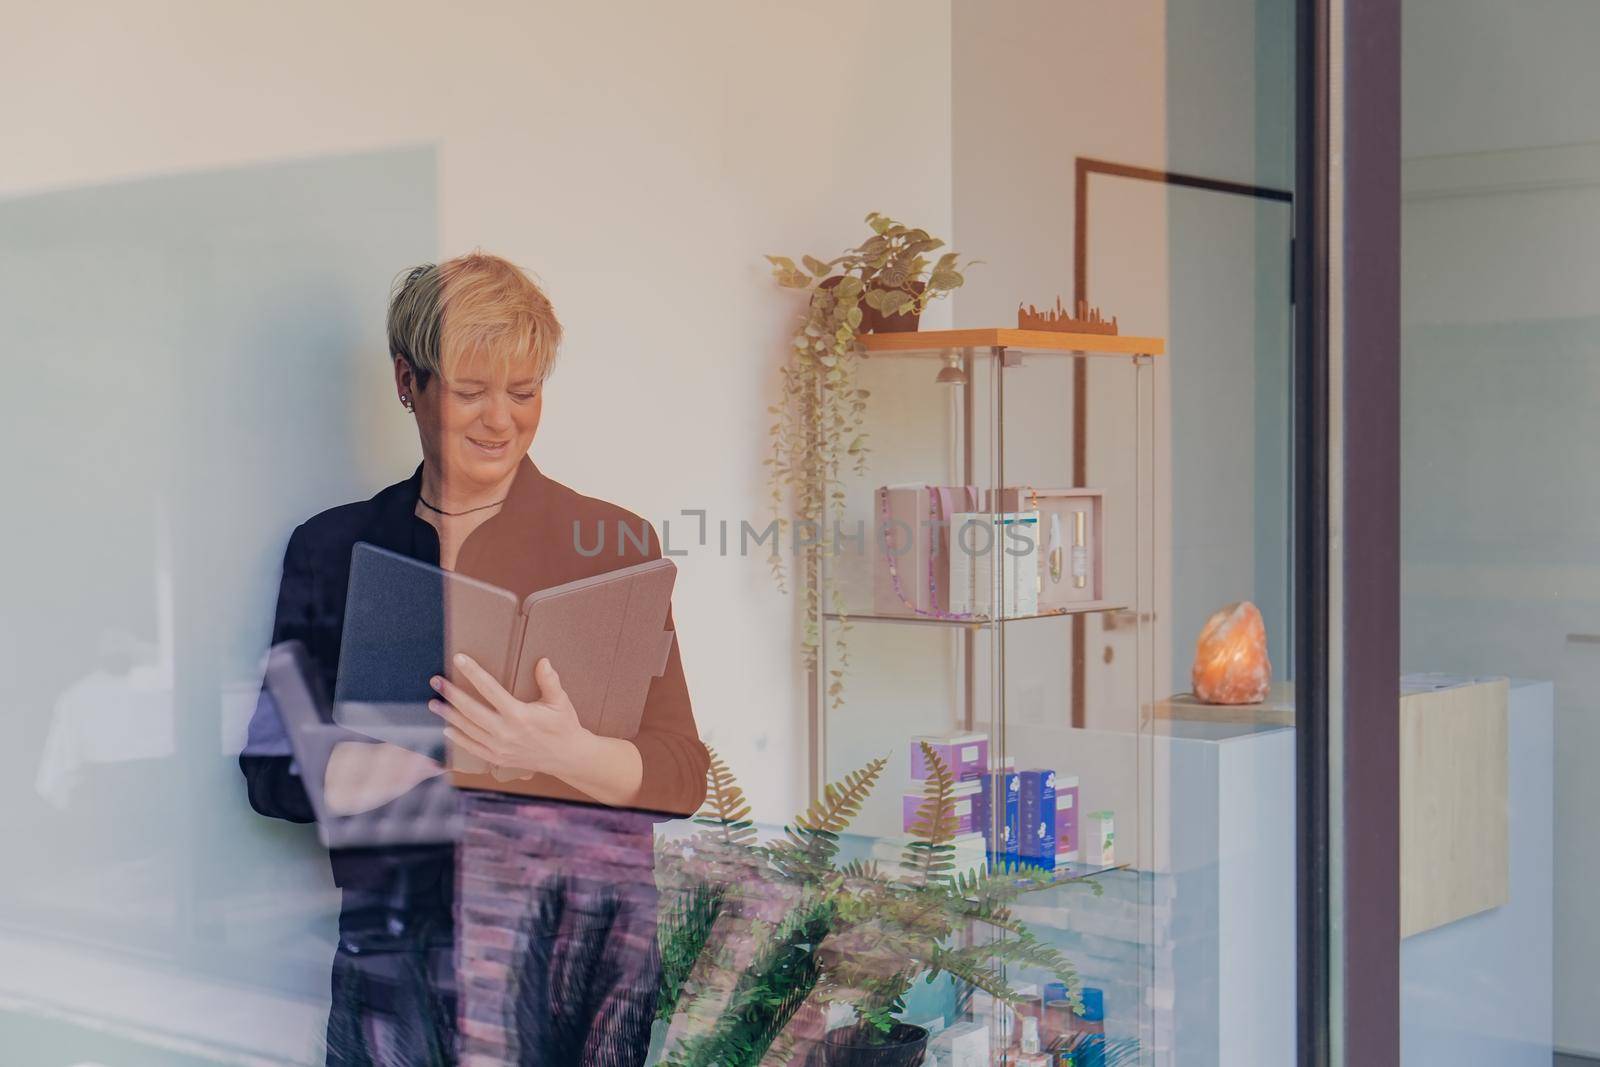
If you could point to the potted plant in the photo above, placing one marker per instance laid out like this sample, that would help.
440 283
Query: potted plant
882 284
848 932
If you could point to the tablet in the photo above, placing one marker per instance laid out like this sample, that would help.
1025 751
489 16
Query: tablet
605 635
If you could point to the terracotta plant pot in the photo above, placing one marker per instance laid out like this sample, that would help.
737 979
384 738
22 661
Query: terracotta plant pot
858 1046
873 321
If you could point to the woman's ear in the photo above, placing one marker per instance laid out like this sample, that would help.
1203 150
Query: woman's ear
405 381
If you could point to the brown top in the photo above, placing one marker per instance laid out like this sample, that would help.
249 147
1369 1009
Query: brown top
547 535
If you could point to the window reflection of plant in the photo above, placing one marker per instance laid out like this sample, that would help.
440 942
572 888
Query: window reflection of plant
853 934
423 1024
820 420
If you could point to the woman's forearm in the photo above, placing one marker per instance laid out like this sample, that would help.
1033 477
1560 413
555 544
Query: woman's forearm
608 769
362 776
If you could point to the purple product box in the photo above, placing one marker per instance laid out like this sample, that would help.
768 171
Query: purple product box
1067 819
1037 811
965 808
964 755
1008 785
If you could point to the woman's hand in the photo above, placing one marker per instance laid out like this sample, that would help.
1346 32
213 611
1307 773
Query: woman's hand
540 736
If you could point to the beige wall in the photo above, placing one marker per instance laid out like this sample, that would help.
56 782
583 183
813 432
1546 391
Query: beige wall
638 157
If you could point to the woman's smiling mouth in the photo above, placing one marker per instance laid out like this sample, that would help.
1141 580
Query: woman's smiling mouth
490 448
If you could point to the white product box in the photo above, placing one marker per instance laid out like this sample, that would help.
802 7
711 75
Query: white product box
962 1045
979 542
1099 839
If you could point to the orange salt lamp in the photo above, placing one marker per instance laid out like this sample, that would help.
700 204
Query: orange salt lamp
1230 658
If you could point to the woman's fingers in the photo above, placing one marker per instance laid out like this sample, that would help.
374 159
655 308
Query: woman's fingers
468 745
550 691
461 722
484 683
481 714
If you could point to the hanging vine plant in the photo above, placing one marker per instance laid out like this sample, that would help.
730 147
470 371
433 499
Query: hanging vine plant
883 283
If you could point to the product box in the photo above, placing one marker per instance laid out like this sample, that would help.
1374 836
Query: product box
1001 1013
964 807
1099 839
980 542
961 1045
1000 809
1037 814
1067 818
1070 561
964 755
911 546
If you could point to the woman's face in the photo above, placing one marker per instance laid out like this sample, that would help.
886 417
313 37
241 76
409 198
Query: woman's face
477 424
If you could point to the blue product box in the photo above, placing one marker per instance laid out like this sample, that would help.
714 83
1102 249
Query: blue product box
1037 814
1007 784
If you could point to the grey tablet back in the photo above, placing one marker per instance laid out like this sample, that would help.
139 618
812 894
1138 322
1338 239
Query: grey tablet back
401 618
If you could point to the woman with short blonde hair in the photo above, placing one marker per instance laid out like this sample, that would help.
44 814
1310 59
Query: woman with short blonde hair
473 342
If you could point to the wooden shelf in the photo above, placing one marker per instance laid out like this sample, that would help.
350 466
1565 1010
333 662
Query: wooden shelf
1082 344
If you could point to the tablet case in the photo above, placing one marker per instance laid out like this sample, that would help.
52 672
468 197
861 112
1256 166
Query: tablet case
605 635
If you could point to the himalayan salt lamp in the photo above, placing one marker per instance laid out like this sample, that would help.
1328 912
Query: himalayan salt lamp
1230 657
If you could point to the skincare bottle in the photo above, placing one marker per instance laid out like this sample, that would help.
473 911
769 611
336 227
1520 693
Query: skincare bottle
1031 1054
1057 1021
1090 1029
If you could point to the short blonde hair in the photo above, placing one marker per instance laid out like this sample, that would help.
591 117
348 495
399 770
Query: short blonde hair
476 304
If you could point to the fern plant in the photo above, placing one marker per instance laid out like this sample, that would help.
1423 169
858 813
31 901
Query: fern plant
723 851
851 932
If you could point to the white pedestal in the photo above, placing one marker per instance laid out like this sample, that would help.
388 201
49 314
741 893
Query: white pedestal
1217 873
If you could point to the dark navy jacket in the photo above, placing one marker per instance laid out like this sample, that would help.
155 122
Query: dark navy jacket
530 544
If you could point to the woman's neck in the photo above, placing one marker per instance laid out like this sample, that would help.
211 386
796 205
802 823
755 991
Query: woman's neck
457 495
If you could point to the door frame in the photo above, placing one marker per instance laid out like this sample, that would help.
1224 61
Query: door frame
1347 174
1085 167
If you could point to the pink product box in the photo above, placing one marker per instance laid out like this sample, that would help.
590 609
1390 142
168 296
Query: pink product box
964 755
1066 818
910 528
965 809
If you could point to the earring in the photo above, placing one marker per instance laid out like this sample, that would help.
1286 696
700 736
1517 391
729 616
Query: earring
405 401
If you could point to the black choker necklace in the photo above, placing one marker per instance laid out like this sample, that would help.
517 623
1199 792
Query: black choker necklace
453 514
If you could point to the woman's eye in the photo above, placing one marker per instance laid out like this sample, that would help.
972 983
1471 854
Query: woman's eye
469 397
523 398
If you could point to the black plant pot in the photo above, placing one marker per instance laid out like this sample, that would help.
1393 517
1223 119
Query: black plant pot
865 1046
906 322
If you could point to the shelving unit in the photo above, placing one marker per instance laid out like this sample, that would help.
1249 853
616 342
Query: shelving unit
915 674
1001 351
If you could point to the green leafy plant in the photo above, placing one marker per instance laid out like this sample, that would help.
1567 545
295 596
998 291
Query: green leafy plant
849 931
819 430
724 850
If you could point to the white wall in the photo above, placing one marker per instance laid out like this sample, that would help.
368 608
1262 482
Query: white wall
638 157
1481 76
1501 308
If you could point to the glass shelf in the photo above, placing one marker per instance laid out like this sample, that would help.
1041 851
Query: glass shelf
1088 608
1067 874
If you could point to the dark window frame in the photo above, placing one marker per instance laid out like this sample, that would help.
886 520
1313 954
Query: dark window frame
1352 94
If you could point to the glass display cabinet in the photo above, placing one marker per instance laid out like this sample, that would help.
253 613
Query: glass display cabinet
991 583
